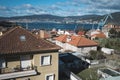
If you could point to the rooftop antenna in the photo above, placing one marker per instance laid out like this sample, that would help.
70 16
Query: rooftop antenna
26 24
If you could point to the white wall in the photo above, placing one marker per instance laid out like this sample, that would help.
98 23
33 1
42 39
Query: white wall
81 50
70 47
63 45
86 49
67 46
59 43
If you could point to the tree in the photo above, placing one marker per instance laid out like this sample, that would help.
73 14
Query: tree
112 32
118 34
96 55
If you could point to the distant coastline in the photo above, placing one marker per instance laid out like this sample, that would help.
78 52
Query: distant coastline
62 26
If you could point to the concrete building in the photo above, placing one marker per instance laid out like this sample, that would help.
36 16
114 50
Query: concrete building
25 57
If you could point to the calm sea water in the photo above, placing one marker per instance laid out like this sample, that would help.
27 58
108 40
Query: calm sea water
50 26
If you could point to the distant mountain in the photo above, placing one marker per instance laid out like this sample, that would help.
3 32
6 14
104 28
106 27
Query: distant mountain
6 24
39 17
116 18
3 18
48 17
52 17
84 17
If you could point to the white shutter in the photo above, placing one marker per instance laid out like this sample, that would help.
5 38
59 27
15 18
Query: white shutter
25 61
50 77
45 60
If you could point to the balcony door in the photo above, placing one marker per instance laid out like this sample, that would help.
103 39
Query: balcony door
25 61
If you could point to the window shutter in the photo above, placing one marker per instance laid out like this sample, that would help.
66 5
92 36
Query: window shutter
45 60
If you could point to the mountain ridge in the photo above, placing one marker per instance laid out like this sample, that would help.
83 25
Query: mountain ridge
49 17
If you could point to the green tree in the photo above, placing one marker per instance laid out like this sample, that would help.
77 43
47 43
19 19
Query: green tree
112 32
96 55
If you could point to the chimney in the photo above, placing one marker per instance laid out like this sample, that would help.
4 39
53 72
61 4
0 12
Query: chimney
42 34
1 33
68 38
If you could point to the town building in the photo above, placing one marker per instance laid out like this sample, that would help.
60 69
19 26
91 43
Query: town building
97 34
108 27
23 56
76 43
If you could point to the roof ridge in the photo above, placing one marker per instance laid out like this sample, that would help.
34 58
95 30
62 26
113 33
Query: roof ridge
36 36
65 37
10 44
11 30
79 40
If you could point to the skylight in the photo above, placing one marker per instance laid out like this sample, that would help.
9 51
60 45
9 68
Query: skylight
22 38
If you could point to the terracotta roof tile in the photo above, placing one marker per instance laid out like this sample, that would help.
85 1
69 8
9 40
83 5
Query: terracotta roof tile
80 41
19 40
62 38
100 34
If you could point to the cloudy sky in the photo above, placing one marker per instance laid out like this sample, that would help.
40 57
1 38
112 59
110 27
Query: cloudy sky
10 8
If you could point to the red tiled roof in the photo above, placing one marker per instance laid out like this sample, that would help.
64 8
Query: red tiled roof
62 38
11 42
80 41
99 35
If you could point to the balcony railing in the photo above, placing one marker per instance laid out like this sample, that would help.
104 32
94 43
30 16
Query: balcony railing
9 73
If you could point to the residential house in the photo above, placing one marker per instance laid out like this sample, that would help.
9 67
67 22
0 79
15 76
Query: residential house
81 44
97 34
61 41
61 32
25 57
76 43
108 27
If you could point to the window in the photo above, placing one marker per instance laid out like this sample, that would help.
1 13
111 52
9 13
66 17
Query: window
46 60
22 38
25 61
50 77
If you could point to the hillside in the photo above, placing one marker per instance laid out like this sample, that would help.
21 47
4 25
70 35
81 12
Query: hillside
47 17
6 24
85 17
38 17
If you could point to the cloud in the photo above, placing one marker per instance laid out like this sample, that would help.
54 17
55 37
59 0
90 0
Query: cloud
25 9
66 8
4 8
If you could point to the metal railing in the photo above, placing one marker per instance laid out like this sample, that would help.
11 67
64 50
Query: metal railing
17 69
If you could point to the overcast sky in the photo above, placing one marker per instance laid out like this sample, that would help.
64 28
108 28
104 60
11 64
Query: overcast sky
10 8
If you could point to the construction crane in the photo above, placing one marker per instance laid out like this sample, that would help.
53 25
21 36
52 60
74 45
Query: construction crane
103 21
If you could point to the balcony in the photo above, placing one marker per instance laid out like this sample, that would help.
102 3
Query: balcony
8 73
